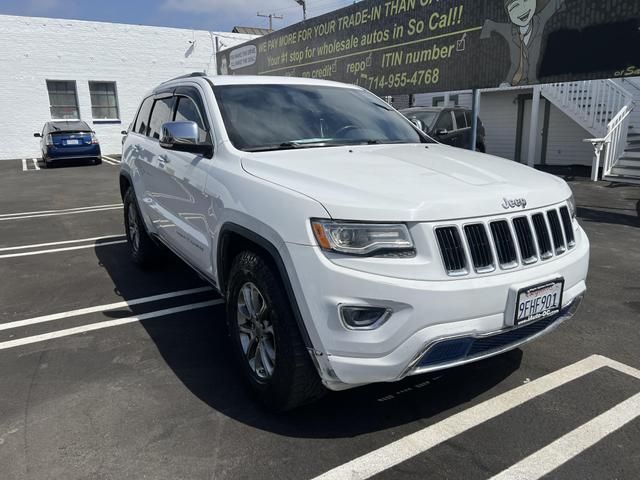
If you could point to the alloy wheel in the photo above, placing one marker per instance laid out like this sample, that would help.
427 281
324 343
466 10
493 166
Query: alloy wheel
256 331
134 232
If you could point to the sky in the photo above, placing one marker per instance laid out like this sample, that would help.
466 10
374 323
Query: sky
213 15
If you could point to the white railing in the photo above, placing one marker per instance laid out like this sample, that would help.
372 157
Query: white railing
609 148
616 139
591 103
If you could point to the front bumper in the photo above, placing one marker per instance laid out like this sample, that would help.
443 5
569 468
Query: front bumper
424 313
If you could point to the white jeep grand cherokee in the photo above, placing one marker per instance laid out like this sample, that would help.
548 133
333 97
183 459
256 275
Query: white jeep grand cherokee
350 247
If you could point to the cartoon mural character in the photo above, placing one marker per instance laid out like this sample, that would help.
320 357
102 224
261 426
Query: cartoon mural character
524 35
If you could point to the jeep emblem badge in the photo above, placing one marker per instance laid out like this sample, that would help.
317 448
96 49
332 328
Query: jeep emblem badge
513 203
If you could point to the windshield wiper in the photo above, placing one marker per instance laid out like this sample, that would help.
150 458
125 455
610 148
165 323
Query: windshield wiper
292 145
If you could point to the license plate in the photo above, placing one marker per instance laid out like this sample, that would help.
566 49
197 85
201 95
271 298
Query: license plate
73 142
539 301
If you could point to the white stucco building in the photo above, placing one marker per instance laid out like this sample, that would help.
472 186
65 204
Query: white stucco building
566 115
94 71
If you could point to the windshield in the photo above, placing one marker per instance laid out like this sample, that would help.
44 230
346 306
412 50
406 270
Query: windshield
425 116
272 117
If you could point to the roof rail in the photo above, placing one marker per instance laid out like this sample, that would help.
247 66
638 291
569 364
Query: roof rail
188 75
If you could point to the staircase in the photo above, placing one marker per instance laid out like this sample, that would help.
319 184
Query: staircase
603 108
628 165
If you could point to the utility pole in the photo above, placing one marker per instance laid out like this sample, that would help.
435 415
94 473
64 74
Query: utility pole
270 16
303 3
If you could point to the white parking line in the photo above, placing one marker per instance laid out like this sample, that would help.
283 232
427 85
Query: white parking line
101 209
60 210
65 242
101 308
101 325
35 163
65 249
110 162
573 443
401 450
24 165
115 160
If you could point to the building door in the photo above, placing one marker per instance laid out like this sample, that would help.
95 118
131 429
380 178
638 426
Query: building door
526 127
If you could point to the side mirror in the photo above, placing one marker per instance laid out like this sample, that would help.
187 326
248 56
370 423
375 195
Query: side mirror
441 131
39 135
124 132
183 137
417 123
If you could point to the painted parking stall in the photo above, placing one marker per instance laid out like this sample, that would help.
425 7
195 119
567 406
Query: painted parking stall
131 369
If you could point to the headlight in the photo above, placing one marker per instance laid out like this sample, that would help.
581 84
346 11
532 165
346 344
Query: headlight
571 202
361 238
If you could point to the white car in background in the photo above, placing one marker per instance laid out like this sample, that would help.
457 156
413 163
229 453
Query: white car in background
350 247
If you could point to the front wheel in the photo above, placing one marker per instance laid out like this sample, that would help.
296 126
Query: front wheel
143 250
265 337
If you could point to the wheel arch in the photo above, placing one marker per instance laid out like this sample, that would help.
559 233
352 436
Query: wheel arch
125 183
233 239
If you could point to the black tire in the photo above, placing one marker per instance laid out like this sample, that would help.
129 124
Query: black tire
294 380
97 161
143 250
48 163
480 148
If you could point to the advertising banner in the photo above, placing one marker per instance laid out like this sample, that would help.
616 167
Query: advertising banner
412 46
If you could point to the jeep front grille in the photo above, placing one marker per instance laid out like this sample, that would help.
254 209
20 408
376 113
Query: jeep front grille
521 239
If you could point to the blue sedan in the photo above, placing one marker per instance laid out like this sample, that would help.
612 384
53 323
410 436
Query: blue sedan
68 140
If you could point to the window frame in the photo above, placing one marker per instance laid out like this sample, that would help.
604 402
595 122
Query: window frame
135 122
117 102
451 118
172 112
75 92
457 112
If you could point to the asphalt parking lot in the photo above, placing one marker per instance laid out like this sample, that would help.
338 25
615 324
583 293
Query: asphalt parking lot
110 372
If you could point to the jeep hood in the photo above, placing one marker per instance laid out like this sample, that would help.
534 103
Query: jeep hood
412 182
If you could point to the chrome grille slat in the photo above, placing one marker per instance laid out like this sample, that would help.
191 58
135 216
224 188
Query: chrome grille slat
507 256
479 247
452 250
525 240
568 227
556 232
542 235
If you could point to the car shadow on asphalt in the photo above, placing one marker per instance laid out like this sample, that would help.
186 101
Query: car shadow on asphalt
600 216
195 347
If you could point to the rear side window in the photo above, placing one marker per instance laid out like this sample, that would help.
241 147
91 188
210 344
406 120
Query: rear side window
461 122
187 111
445 121
160 114
142 122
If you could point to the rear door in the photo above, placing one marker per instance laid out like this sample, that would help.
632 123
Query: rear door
463 129
181 184
444 129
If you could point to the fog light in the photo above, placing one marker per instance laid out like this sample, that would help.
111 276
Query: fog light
364 318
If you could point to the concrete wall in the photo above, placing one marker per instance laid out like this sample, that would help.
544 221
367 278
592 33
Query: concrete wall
137 58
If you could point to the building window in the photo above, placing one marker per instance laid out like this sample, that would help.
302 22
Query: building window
104 100
63 100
